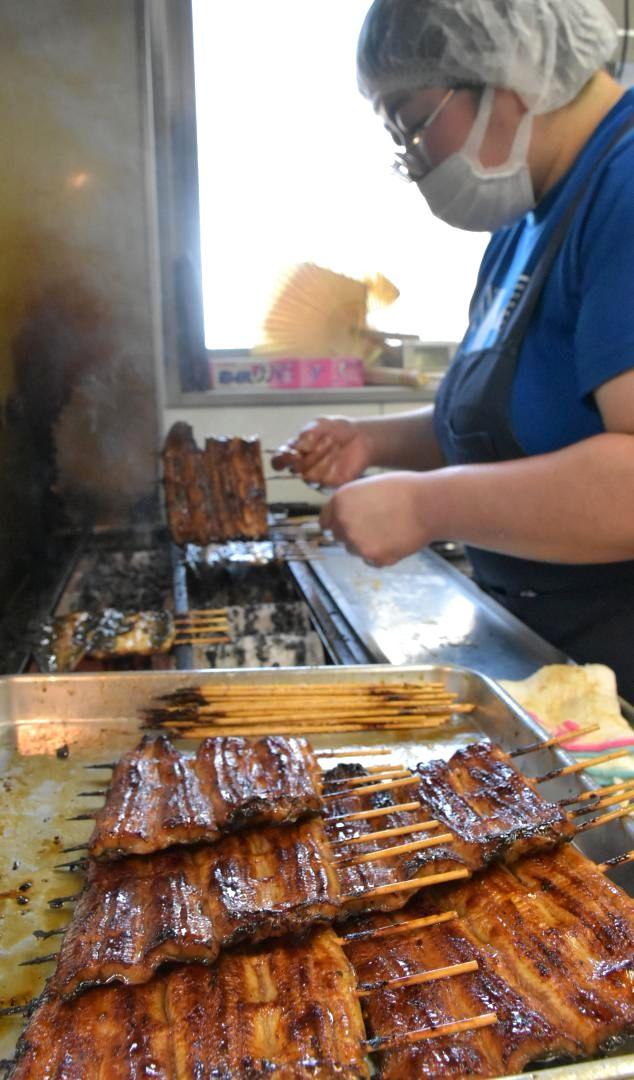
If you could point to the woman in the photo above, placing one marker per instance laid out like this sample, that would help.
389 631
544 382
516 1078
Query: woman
508 123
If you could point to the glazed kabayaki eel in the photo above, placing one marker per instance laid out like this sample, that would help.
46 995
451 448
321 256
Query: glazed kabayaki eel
190 902
554 943
159 797
289 1009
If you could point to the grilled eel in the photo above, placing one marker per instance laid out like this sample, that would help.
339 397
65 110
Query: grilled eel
213 494
65 640
288 1009
159 797
188 903
493 810
554 942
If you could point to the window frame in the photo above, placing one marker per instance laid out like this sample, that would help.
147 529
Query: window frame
170 141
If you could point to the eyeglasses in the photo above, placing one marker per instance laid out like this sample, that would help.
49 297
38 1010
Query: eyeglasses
414 163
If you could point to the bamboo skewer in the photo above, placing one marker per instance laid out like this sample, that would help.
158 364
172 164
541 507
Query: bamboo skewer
346 728
371 788
381 1042
411 884
557 740
399 849
301 690
402 830
364 751
201 640
358 781
399 928
597 793
568 770
618 860
324 713
39 960
59 901
604 819
383 811
197 613
422 977
18 1010
76 864
602 804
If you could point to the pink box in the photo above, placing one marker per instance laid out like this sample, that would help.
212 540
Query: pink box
287 373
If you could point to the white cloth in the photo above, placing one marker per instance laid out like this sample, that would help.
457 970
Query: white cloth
567 697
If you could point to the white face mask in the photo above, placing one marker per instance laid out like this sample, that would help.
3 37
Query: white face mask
469 195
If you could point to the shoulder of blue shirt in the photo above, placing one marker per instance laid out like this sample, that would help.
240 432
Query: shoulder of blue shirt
609 182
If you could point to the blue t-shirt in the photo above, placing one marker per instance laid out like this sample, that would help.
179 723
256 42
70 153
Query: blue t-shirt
582 331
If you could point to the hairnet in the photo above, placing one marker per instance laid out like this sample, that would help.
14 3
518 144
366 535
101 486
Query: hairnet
545 50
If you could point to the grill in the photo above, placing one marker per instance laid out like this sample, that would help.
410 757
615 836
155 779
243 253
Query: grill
279 614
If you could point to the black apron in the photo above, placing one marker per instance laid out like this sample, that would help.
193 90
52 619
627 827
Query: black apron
585 610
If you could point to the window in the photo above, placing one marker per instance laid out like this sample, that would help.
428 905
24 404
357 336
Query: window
294 166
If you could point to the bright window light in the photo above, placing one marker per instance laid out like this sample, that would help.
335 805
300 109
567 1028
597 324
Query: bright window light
294 166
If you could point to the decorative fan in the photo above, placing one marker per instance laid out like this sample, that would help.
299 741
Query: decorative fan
317 312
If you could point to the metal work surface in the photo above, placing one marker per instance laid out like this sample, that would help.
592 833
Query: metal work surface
52 727
424 611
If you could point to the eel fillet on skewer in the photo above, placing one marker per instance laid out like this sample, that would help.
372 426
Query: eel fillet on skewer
64 640
287 1009
188 903
490 806
214 494
554 942
159 797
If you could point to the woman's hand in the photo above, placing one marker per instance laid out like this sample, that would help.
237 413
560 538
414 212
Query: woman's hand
382 519
328 452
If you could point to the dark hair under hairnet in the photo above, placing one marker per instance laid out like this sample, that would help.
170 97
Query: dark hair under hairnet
545 50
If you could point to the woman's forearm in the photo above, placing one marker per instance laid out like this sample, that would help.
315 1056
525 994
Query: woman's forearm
403 441
572 506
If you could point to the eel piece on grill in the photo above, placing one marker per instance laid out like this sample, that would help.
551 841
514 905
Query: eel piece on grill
287 1009
493 810
214 494
554 940
140 633
65 640
159 797
186 904
187 492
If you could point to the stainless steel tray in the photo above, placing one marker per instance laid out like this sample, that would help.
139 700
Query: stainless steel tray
96 717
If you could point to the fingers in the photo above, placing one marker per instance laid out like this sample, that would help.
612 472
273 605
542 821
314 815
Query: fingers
285 458
326 516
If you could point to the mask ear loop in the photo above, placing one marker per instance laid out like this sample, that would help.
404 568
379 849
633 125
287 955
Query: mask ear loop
518 153
474 142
